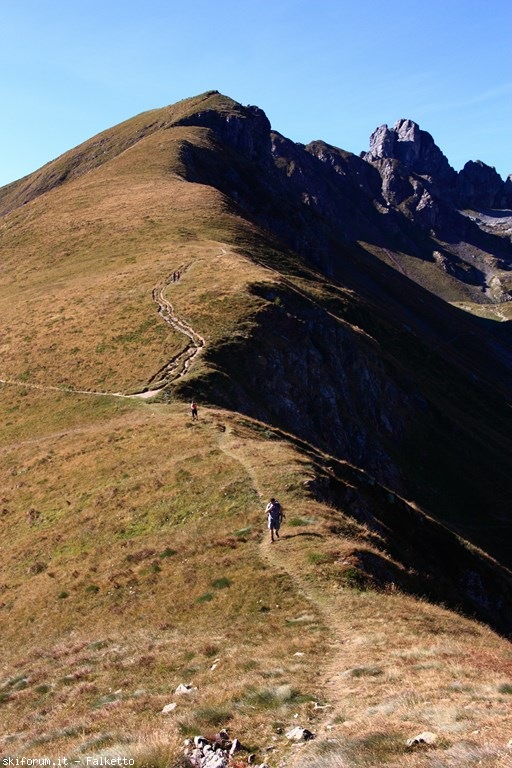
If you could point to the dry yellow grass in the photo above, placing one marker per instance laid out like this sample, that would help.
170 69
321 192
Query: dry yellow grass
133 546
83 259
151 530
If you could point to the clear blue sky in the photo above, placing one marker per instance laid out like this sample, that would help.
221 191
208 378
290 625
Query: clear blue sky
324 69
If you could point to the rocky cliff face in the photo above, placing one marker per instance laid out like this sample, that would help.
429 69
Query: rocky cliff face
401 197
415 150
480 186
477 185
368 385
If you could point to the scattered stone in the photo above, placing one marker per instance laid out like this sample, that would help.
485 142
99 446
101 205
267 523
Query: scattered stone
299 653
212 753
184 688
299 734
427 737
169 708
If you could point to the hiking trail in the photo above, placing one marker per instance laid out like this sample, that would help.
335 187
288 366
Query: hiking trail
250 454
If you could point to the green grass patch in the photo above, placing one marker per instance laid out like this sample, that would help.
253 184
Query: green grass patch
297 522
273 697
211 716
205 598
168 552
222 583
318 558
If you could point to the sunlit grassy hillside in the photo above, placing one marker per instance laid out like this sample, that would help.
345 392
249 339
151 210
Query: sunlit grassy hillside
135 558
82 260
134 553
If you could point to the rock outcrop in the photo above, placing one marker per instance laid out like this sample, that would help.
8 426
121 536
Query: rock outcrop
477 185
415 150
480 186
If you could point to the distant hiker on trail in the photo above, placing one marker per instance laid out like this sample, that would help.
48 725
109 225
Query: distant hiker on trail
193 411
275 516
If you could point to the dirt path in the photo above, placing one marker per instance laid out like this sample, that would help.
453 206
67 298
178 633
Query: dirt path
180 363
51 388
246 453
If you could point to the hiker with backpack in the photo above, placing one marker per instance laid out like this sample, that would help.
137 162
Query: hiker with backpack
275 517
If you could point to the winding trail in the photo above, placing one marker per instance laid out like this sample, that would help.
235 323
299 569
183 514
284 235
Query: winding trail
180 363
177 367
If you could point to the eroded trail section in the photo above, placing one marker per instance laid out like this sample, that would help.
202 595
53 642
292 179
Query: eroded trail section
180 363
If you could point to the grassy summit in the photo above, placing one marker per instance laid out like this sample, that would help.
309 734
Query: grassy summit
133 544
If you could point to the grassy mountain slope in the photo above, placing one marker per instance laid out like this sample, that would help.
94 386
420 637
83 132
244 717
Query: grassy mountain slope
133 542
135 558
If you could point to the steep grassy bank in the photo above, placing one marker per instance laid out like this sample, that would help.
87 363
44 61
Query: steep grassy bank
135 558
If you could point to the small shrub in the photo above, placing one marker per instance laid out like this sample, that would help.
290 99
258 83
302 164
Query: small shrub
355 578
505 688
221 583
205 598
168 552
92 588
62 595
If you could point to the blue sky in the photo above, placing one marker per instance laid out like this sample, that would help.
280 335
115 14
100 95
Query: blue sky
330 69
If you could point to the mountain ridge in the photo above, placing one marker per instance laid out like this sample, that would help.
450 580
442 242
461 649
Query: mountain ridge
325 375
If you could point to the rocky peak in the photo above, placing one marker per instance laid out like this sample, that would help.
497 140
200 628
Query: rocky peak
245 129
414 148
405 150
480 185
